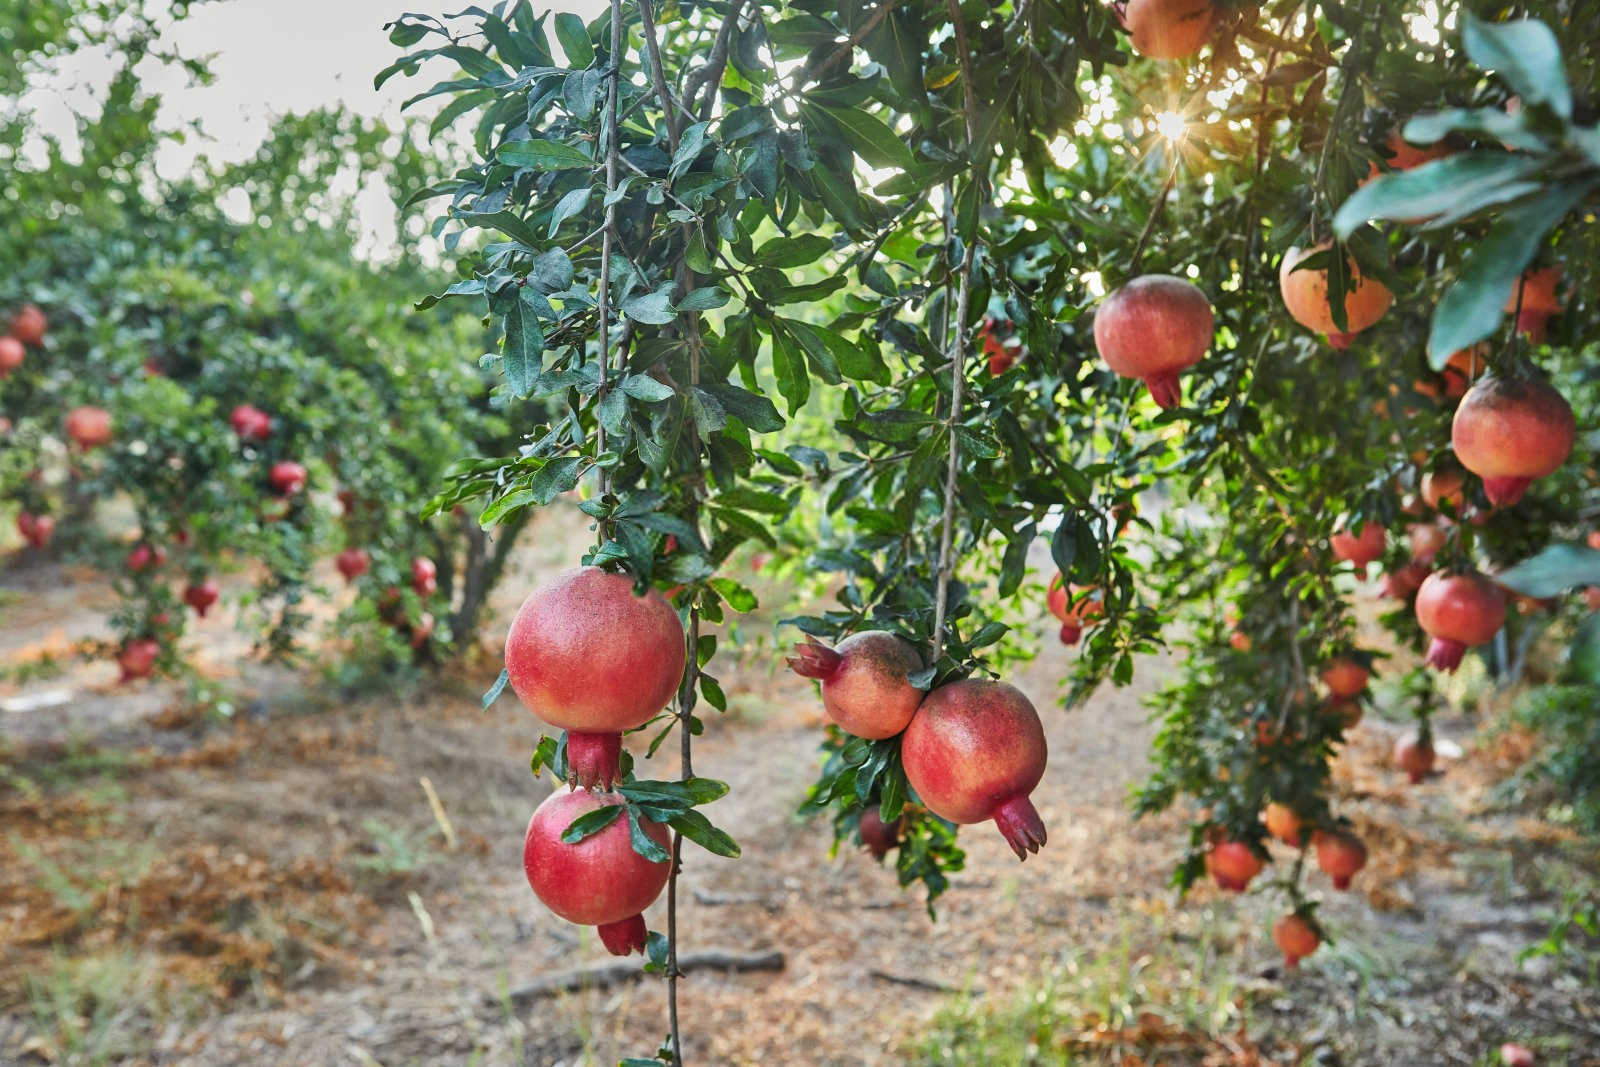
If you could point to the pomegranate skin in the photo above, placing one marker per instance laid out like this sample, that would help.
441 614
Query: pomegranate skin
1509 431
589 657
1305 294
29 324
600 881
1232 865
1340 854
1345 678
878 836
974 751
1458 611
201 595
1152 328
137 658
287 477
1296 938
12 355
1415 756
1168 29
89 427
865 689
1283 823
1363 547
352 563
1538 300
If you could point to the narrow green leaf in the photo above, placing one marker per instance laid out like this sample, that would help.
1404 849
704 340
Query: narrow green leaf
697 828
574 39
568 206
1526 54
1483 178
591 822
543 155
872 138
1553 571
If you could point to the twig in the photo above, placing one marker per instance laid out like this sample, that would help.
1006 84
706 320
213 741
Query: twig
615 972
608 230
919 983
1155 213
439 815
669 106
709 77
809 74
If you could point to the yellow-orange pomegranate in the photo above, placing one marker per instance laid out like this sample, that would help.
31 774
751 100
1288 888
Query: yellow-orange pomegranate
1305 294
1538 301
1168 29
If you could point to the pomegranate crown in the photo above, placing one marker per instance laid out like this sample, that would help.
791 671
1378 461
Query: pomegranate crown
814 659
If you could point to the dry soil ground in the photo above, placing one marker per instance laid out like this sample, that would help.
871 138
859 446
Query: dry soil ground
274 887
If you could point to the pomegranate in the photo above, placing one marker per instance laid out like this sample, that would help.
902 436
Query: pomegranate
287 477
1361 548
1593 539
1155 326
974 751
600 881
137 658
1305 294
1414 755
1400 154
36 529
1347 713
1283 823
589 657
1240 641
865 689
1345 678
1340 854
1073 607
1296 937
251 423
1445 484
878 836
424 576
1458 611
1591 597
12 354
1233 864
1538 300
1463 367
1168 29
422 629
1509 431
89 427
29 324
999 354
1515 1055
143 557
352 563
201 595
1426 540
1403 582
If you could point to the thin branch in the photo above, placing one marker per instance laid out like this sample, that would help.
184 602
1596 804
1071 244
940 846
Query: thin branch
1155 213
616 972
608 230
809 74
709 76
669 106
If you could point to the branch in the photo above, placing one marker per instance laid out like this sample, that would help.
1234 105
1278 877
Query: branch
709 76
615 972
1155 213
658 78
809 74
611 132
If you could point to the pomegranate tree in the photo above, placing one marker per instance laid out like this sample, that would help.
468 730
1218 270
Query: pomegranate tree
1458 611
865 688
1154 327
590 657
1509 431
1296 937
974 751
1340 854
600 881
1305 294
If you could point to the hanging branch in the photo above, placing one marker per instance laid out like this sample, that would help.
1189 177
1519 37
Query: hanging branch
958 353
669 106
608 230
808 74
1155 213
709 76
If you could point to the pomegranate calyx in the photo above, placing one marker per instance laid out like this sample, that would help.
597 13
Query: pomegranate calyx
1340 340
1071 632
1166 390
623 937
593 759
1020 825
1503 492
1445 653
814 660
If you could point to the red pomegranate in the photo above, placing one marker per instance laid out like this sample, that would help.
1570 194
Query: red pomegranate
1463 368
12 355
201 595
1403 582
1283 823
287 477
1515 1055
974 751
422 630
1414 755
1073 607
1347 713
865 690
1364 547
1340 854
1305 294
1593 539
352 563
1427 539
1448 484
1345 677
1168 29
1000 356
1240 641
589 657
143 557
1458 611
251 423
1233 864
29 324
424 576
137 658
878 836
89 427
600 881
1509 431
1155 326
1296 937
1538 300
36 529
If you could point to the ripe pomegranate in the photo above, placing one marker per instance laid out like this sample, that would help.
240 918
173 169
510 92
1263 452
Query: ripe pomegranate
589 657
251 423
1305 294
29 324
1593 539
1240 641
1515 1055
201 595
36 529
1296 937
999 354
1445 484
12 355
1539 302
1073 607
1509 431
1463 368
89 427
600 881
1168 29
1458 611
1347 713
1362 548
974 751
143 557
137 658
1403 582
1414 755
1345 678
424 576
352 563
422 629
865 689
1340 854
878 836
1426 541
287 477
1400 154
1156 325
1283 823
1233 864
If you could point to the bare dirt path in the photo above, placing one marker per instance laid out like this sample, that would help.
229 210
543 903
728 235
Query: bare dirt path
334 925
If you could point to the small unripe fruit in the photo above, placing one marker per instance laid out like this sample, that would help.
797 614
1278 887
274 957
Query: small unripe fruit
1509 431
1340 854
1296 938
878 836
1415 756
1305 294
1458 611
1283 823
1153 328
865 688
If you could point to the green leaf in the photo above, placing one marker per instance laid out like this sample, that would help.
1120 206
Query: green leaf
697 828
1478 178
802 251
820 346
1526 54
789 368
871 138
652 308
689 146
543 155
643 387
591 823
554 478
552 271
752 409
643 843
706 298
568 206
1554 571
574 39
1490 121
738 597
524 344
496 689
